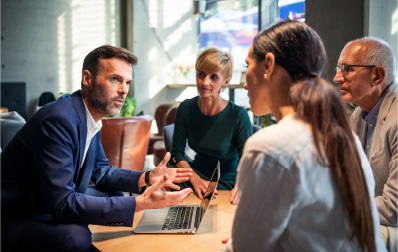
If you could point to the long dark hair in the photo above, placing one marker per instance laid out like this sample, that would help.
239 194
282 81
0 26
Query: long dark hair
299 50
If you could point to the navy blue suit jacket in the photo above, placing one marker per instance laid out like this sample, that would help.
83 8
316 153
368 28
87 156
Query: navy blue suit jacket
40 170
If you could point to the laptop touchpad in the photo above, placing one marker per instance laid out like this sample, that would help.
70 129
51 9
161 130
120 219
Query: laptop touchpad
152 217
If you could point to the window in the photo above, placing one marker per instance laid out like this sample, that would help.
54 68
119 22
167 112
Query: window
292 9
231 26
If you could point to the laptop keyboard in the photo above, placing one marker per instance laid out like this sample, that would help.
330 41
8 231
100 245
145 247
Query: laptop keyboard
178 218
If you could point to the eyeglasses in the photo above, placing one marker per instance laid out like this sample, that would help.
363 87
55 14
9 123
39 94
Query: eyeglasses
344 68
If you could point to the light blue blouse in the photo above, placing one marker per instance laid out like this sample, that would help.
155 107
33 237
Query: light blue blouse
288 201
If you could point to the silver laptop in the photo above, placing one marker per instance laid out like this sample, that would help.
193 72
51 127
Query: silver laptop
183 219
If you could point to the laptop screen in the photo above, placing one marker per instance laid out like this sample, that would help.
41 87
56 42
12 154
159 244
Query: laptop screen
208 196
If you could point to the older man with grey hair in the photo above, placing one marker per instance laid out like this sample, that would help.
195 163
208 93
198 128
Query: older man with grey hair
365 74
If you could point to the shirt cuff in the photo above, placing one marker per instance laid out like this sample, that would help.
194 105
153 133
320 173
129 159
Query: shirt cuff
176 159
228 247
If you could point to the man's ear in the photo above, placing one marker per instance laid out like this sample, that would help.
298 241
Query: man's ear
269 64
378 75
87 78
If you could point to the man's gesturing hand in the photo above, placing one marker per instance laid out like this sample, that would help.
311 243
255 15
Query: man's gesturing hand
154 198
176 175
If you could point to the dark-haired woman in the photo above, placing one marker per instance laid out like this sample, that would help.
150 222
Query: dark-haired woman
305 183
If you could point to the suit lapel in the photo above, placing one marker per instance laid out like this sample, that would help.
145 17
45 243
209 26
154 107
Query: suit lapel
78 104
88 166
82 141
360 127
384 109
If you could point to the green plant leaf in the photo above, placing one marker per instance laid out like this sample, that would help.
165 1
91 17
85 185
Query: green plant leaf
128 108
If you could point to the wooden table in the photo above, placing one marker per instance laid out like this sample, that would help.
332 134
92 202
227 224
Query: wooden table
216 225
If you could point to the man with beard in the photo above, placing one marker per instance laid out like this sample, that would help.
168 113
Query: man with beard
47 166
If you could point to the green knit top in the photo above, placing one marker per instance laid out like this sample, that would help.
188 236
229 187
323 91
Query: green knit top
219 137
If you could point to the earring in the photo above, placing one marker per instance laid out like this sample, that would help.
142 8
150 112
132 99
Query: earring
265 76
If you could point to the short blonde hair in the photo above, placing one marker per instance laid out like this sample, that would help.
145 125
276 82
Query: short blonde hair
213 59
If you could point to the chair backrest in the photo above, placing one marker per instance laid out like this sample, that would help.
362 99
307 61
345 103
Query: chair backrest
125 141
168 132
8 130
256 128
171 115
165 114
13 97
45 98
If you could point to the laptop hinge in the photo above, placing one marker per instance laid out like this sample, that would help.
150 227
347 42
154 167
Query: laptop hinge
197 217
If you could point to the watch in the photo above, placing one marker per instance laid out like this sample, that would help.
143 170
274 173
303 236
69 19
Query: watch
147 178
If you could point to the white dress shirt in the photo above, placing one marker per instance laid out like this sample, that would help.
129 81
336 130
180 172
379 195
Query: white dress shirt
289 201
92 129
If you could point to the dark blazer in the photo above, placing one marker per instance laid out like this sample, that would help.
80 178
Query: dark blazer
41 171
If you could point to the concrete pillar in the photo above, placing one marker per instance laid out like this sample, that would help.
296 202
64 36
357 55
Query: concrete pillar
339 22
381 20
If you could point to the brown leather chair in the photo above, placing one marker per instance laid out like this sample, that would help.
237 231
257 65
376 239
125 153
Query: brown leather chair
164 115
125 141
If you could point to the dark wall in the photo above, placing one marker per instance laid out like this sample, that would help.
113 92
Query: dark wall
29 46
337 22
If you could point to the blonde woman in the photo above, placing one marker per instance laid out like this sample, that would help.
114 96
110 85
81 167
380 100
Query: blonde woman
216 128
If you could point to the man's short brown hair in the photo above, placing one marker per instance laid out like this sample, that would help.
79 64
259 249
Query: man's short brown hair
92 60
